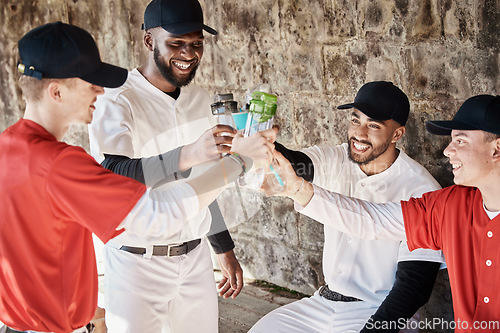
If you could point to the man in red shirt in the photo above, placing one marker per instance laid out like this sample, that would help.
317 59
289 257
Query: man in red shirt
461 220
54 196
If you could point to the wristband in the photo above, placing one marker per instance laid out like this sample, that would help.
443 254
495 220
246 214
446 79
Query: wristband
240 161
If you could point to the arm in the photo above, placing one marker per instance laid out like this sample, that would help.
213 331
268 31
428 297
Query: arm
223 245
411 290
219 236
162 168
355 217
178 204
212 144
300 162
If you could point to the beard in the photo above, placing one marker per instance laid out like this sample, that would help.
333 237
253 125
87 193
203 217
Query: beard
168 74
376 151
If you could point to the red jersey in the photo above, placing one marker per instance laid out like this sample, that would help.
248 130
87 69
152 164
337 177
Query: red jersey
453 220
53 197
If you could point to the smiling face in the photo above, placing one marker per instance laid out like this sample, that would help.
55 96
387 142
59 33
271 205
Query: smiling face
79 97
470 156
372 141
177 57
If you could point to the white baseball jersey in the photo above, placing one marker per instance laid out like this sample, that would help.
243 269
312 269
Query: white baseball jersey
366 269
155 293
139 120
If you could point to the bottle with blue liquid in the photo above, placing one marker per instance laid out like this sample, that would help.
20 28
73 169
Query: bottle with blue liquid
261 112
262 106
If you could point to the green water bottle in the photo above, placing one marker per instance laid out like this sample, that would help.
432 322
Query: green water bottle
262 108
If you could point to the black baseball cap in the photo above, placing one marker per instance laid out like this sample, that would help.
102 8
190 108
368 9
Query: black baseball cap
60 51
381 100
480 112
178 17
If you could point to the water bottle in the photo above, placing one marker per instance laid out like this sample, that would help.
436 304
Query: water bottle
223 108
261 111
262 106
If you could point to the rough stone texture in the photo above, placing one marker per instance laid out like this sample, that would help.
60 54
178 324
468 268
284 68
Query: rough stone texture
315 54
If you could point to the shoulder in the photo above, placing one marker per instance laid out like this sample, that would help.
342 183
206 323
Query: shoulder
194 92
453 193
47 152
129 88
337 153
414 171
55 158
69 154
445 198
73 166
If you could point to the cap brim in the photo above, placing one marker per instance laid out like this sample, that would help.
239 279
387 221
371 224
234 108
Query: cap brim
108 76
187 27
366 109
444 127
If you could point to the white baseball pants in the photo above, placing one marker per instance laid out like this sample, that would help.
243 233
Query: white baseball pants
316 314
161 294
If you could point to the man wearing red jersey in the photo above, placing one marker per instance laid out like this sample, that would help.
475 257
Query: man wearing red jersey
54 196
461 220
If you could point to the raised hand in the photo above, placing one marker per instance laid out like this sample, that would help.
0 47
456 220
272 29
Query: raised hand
212 144
287 174
258 146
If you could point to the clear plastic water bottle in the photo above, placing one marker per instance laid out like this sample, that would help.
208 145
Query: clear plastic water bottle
262 108
223 108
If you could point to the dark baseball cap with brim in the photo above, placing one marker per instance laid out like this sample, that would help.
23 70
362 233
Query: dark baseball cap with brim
381 100
480 112
178 17
60 51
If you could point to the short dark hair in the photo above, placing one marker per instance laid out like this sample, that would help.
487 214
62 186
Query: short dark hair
488 136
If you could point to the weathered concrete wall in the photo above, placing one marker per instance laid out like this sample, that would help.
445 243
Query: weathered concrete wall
315 54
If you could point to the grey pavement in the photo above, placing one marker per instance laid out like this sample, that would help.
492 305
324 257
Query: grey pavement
238 315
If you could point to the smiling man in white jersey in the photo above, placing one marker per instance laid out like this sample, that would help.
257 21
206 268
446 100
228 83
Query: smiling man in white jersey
363 278
154 129
461 220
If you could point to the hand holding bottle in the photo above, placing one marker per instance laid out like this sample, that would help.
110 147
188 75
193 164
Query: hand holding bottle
258 146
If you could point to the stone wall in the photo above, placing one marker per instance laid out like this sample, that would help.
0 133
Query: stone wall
315 54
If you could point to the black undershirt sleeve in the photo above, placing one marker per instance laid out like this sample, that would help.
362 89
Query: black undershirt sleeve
157 170
411 290
218 236
151 171
414 279
300 162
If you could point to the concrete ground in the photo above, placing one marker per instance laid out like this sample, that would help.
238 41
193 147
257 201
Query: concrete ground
236 315
255 300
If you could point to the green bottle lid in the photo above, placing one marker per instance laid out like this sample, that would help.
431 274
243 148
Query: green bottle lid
265 104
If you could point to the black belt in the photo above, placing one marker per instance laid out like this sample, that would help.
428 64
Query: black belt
335 296
165 250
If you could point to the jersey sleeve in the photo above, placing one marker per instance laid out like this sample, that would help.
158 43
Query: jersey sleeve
112 127
327 162
80 190
423 218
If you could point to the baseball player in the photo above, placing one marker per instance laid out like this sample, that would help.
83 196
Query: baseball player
158 116
360 274
461 220
54 196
